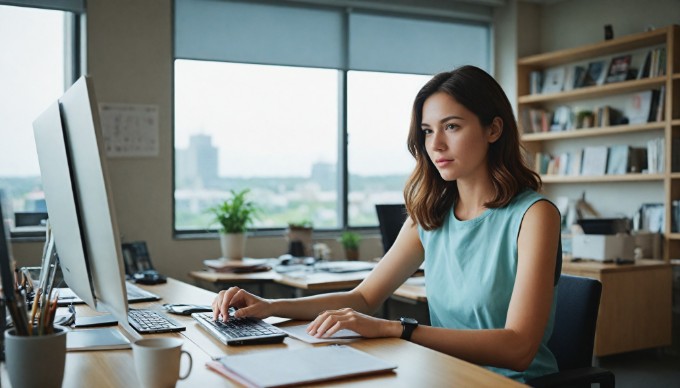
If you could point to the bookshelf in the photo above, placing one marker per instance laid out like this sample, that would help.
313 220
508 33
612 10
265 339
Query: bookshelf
635 310
668 127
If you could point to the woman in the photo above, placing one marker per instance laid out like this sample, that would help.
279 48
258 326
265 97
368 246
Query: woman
490 243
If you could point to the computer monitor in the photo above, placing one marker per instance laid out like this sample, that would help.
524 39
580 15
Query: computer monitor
391 217
79 203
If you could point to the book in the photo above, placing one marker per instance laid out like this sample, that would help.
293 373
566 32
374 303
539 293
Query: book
594 160
643 72
237 266
299 366
535 82
617 162
579 76
96 339
638 107
594 74
562 119
553 82
618 68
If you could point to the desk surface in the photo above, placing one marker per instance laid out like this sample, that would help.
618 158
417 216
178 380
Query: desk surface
418 366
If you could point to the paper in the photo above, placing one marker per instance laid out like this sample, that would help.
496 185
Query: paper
300 332
129 130
289 367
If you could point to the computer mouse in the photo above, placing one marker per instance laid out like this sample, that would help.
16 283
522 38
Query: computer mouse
186 309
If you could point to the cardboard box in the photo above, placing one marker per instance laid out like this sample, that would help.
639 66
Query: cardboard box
603 247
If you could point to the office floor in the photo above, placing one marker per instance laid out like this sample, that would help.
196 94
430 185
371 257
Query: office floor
645 368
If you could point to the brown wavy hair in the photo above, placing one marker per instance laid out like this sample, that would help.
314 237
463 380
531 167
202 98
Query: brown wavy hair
427 195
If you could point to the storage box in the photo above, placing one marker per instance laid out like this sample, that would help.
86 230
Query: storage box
603 247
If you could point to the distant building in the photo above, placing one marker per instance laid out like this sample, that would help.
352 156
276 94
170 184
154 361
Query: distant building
197 164
324 174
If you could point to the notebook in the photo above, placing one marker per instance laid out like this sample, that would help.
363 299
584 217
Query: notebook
284 366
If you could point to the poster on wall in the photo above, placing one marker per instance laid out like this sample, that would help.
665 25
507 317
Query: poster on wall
129 130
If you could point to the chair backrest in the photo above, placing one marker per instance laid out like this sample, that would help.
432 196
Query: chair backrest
573 337
390 217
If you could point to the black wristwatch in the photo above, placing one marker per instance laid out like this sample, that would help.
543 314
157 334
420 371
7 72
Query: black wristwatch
408 325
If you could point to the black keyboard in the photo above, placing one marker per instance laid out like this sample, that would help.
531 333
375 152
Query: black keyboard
240 331
150 321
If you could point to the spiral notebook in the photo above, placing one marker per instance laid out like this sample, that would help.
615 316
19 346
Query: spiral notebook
300 366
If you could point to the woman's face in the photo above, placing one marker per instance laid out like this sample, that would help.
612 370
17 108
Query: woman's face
455 140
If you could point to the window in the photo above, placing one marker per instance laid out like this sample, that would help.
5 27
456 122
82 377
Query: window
272 129
378 117
32 78
269 109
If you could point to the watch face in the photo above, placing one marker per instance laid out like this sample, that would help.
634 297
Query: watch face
409 321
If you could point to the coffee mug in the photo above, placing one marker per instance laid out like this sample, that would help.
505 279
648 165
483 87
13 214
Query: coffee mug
157 361
35 361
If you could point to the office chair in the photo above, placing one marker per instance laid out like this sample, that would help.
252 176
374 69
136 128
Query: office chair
573 337
390 218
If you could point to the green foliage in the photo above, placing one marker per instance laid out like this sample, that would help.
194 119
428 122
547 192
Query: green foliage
301 224
350 240
235 214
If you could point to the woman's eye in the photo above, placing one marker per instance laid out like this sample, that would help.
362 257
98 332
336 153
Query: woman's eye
451 126
427 131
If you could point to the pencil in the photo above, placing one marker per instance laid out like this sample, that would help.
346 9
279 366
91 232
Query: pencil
34 310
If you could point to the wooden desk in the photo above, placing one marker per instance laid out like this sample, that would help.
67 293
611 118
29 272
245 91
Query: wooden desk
418 366
635 307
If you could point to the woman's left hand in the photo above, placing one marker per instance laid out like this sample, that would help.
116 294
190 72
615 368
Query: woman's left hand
330 322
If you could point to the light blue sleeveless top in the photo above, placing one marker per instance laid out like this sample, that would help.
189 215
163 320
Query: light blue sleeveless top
470 269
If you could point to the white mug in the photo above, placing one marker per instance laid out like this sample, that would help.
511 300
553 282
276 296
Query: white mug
157 361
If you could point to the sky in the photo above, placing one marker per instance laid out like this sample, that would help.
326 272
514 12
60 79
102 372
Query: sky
31 78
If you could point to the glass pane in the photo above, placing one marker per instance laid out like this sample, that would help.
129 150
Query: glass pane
378 117
32 78
272 129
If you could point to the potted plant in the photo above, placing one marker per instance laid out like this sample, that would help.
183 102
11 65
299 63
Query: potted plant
350 241
234 216
299 235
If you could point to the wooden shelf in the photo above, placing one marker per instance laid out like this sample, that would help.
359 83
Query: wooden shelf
673 236
602 178
676 76
675 175
595 91
626 43
675 122
589 132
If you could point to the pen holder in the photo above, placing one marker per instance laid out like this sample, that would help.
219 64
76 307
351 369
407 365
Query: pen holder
35 361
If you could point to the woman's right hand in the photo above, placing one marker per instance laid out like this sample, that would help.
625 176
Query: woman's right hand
247 304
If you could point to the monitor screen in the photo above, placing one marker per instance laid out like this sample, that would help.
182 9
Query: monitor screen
79 201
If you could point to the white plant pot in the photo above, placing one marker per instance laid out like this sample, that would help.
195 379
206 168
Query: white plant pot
233 245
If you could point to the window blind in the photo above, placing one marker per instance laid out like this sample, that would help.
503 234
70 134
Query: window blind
326 37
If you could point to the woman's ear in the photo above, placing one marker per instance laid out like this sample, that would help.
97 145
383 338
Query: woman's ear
495 129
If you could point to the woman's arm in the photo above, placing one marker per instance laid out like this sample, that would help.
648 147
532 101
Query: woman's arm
400 262
514 346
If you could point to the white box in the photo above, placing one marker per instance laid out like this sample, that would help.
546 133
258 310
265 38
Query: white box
603 247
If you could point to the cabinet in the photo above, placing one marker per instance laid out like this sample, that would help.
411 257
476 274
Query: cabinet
635 310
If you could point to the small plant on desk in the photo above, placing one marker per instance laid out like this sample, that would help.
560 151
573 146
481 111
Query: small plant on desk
234 215
350 241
